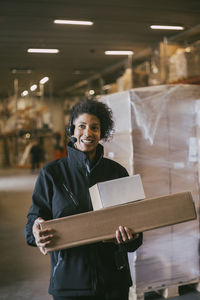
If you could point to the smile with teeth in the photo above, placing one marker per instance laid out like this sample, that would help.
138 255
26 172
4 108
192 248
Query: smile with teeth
87 142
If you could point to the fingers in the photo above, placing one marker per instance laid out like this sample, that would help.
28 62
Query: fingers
43 250
124 234
42 237
43 240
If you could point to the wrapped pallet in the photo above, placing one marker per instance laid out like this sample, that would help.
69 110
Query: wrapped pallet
161 144
120 148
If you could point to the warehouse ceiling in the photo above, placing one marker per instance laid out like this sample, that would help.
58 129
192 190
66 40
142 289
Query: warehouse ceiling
118 25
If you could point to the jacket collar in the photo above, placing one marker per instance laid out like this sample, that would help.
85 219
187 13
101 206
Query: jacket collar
79 159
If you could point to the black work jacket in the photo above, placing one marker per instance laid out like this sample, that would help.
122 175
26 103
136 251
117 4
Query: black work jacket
62 189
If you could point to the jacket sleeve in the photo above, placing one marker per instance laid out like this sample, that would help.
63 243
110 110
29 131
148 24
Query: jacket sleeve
132 245
41 204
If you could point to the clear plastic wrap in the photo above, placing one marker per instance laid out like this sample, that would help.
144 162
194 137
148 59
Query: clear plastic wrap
120 147
163 147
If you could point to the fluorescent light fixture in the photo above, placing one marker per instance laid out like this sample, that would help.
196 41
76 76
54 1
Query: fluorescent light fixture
188 49
113 52
21 71
73 22
27 135
44 80
33 87
36 50
24 93
91 92
166 27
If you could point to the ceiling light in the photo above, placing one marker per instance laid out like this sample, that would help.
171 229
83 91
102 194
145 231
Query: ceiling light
27 135
119 52
73 22
21 71
91 92
188 49
166 27
33 87
35 50
44 80
24 93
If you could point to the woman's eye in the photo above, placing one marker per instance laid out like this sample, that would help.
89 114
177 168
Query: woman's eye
81 126
95 128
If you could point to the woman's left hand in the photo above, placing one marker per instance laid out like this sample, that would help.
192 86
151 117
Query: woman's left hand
124 235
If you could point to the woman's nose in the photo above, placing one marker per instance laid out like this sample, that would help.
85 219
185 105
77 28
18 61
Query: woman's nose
87 131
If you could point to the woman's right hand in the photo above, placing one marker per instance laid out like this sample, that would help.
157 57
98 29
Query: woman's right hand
42 237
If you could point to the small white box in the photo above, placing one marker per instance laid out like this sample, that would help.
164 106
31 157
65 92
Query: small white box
116 192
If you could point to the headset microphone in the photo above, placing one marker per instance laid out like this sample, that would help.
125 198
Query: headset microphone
73 139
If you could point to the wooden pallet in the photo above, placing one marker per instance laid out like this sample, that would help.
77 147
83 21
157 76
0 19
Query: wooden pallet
166 292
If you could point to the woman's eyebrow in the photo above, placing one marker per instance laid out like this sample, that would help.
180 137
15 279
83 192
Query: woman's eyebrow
82 122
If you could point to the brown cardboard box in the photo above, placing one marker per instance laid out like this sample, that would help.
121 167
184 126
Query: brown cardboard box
140 216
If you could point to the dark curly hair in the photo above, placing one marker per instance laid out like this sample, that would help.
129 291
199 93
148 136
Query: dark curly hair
100 110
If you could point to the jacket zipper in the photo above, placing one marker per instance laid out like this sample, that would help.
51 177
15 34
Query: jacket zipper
87 174
57 264
71 195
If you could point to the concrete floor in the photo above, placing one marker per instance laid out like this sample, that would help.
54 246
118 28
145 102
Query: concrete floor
24 271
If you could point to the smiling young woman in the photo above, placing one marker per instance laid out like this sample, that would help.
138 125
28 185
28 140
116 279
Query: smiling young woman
87 131
98 271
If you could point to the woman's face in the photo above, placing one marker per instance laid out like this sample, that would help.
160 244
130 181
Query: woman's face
87 131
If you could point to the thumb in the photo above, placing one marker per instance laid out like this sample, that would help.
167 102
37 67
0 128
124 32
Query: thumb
43 250
40 220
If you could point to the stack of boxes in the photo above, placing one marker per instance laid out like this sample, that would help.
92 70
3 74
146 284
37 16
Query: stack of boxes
184 63
161 144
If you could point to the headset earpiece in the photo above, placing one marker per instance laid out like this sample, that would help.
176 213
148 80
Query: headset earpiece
71 130
71 127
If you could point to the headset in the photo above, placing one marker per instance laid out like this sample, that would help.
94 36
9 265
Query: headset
71 128
70 131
